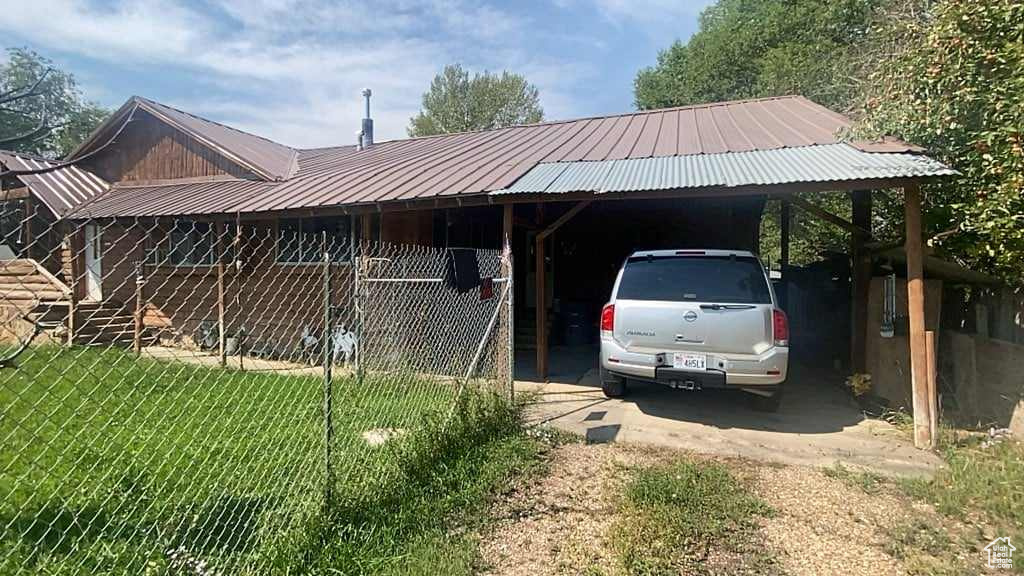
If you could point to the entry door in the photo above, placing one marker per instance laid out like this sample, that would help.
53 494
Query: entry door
93 263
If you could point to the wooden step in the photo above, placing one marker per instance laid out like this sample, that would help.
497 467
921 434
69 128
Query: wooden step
29 295
17 267
29 285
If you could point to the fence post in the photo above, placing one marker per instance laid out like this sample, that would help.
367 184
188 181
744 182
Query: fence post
328 360
357 285
507 270
221 318
140 282
239 286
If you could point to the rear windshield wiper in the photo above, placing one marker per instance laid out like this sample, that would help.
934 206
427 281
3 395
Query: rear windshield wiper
727 306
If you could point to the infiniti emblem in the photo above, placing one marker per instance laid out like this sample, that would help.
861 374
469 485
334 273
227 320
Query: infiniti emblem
690 316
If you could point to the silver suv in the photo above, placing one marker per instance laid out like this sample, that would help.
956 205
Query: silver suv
694 319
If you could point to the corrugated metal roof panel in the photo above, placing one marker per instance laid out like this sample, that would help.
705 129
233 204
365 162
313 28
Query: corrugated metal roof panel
61 190
826 163
192 198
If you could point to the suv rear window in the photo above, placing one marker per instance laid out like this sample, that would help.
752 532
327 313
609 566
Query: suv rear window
718 279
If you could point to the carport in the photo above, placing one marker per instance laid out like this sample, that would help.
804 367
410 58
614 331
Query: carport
699 176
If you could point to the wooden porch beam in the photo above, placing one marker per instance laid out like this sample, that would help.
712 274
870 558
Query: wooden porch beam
550 229
915 311
818 212
541 287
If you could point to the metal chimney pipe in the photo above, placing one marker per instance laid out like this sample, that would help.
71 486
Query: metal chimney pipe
367 139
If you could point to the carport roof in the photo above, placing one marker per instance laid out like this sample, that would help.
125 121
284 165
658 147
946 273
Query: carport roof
779 140
825 163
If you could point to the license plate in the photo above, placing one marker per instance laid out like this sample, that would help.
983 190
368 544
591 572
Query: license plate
690 361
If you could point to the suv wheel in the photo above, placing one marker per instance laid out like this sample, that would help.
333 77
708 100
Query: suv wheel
612 386
766 403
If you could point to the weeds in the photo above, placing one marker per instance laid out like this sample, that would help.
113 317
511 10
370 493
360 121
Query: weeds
673 514
421 520
981 484
868 482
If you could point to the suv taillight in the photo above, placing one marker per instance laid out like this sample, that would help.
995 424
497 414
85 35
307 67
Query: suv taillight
607 318
780 328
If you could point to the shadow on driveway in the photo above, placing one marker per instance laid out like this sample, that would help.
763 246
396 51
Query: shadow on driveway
817 424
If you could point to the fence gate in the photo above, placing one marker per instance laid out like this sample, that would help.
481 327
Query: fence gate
443 313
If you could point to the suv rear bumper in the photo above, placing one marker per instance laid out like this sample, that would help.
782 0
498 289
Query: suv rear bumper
754 371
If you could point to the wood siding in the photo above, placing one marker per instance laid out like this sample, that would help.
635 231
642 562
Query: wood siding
413 227
270 303
150 150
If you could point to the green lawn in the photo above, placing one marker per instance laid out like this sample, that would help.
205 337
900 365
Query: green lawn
109 463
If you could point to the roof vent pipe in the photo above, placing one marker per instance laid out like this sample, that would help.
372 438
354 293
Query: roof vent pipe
367 137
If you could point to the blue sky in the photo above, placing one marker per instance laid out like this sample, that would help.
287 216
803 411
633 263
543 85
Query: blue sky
292 70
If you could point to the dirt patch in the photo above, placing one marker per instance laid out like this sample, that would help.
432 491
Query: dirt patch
821 523
858 524
559 524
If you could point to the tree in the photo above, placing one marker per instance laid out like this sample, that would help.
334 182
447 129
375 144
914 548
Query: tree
457 102
949 75
42 110
758 48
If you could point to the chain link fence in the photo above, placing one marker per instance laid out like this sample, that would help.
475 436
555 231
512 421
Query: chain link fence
187 397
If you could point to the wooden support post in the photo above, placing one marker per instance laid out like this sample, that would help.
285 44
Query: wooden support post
860 287
785 216
915 312
933 395
542 313
542 316
140 307
221 319
508 320
69 247
366 227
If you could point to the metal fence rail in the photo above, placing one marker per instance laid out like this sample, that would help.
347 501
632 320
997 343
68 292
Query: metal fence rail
186 397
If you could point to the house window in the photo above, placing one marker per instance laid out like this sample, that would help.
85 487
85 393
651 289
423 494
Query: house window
186 243
301 240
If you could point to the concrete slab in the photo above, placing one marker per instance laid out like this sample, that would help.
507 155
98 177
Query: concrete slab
817 424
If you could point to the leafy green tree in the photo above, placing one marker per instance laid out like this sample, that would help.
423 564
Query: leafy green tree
949 75
458 102
759 48
42 110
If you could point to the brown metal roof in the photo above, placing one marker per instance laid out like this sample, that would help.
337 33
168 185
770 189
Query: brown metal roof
263 157
477 162
61 190
485 161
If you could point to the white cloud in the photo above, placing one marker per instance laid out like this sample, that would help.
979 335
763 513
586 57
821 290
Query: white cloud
292 69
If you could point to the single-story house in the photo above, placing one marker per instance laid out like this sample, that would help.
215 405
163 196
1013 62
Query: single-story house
569 198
